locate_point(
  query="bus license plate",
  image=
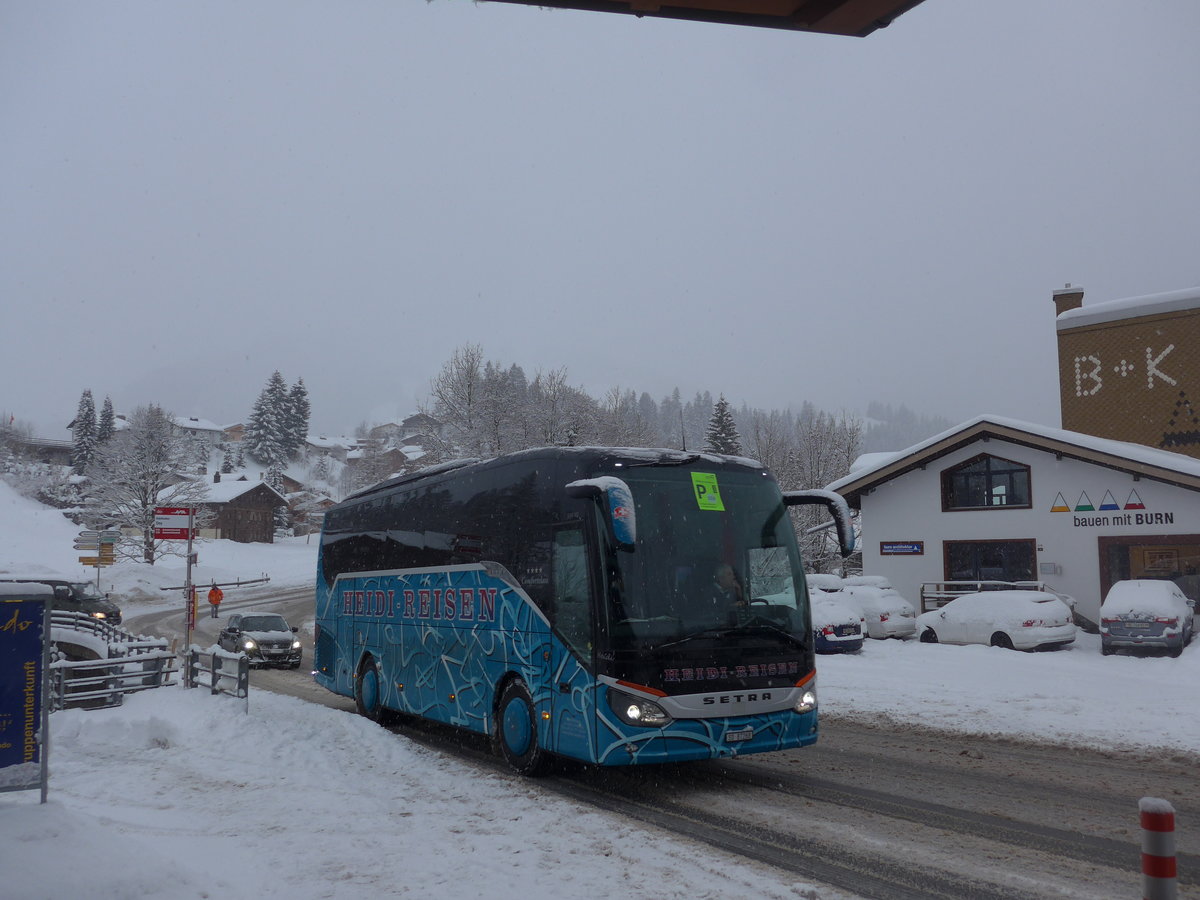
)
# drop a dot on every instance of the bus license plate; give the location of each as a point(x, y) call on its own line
point(734, 736)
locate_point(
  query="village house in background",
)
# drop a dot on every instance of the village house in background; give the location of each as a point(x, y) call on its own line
point(1112, 495)
point(243, 510)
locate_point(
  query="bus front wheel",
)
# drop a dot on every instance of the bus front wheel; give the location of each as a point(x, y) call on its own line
point(368, 690)
point(516, 730)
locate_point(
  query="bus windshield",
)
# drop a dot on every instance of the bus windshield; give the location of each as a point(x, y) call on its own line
point(715, 558)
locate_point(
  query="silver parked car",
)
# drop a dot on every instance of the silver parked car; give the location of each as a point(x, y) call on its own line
point(1146, 613)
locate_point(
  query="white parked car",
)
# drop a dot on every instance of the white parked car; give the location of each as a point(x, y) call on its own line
point(1019, 620)
point(1146, 613)
point(887, 614)
point(821, 582)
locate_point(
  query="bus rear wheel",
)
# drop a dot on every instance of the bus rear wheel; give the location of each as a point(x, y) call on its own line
point(516, 730)
point(368, 690)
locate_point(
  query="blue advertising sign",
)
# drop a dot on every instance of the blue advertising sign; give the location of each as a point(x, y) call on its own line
point(901, 548)
point(24, 656)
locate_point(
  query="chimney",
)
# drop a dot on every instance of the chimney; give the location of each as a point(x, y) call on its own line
point(216, 477)
point(1067, 298)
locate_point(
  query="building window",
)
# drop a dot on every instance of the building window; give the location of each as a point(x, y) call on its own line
point(986, 482)
point(990, 560)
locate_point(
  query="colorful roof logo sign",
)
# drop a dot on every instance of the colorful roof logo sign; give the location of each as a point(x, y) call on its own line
point(1084, 503)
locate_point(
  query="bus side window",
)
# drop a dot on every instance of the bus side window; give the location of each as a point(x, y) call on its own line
point(572, 614)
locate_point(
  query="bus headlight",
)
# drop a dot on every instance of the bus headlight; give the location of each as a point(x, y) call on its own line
point(637, 710)
point(807, 701)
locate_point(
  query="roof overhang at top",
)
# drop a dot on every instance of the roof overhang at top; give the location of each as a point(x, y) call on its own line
point(853, 18)
point(1142, 462)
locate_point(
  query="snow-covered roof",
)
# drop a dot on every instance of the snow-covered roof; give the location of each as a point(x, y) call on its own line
point(224, 491)
point(1130, 307)
point(871, 460)
point(338, 442)
point(191, 423)
point(1150, 462)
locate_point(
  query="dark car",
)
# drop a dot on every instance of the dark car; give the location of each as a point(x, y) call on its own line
point(74, 596)
point(836, 627)
point(1142, 614)
point(264, 637)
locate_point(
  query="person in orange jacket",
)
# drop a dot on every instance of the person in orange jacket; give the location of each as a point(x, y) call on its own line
point(215, 596)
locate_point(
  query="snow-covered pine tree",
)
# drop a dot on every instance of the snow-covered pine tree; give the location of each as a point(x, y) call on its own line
point(227, 461)
point(696, 415)
point(299, 410)
point(83, 434)
point(267, 434)
point(722, 434)
point(321, 470)
point(274, 478)
point(107, 423)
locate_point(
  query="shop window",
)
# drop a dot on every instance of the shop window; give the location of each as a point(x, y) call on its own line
point(986, 482)
point(990, 560)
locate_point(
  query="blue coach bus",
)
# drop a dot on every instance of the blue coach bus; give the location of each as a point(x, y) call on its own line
point(615, 606)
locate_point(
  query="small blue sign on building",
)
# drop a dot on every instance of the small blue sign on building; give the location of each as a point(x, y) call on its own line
point(24, 707)
point(901, 548)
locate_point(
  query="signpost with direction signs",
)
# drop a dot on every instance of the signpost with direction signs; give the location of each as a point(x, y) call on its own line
point(102, 545)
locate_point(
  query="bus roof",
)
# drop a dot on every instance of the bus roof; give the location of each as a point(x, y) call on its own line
point(853, 18)
point(644, 455)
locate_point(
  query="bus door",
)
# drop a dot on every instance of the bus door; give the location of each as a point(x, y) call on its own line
point(574, 685)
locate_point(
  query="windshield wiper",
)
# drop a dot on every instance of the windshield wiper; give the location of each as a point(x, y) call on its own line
point(706, 633)
point(759, 627)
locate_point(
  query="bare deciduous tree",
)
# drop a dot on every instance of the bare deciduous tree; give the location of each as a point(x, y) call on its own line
point(134, 472)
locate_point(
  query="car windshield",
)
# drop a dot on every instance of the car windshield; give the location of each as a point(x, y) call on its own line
point(264, 623)
point(85, 590)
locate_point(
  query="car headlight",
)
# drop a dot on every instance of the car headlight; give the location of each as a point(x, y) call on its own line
point(807, 700)
point(99, 615)
point(248, 644)
point(295, 645)
point(637, 710)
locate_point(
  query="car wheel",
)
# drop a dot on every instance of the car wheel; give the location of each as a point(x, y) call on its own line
point(516, 730)
point(368, 690)
point(1106, 650)
point(1175, 652)
point(1002, 640)
point(929, 636)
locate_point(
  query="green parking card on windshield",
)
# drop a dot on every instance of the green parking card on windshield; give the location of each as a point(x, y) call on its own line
point(708, 495)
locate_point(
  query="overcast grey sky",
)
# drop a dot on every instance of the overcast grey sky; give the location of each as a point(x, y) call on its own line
point(193, 195)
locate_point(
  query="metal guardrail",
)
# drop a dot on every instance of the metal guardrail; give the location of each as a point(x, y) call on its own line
point(131, 663)
point(936, 594)
point(82, 622)
point(99, 683)
point(228, 673)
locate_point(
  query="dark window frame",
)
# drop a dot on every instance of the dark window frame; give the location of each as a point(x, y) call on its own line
point(1030, 542)
point(991, 478)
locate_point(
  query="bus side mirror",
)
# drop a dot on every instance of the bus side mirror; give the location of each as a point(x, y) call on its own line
point(620, 519)
point(838, 508)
